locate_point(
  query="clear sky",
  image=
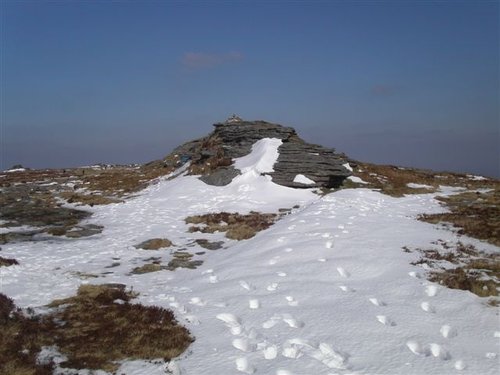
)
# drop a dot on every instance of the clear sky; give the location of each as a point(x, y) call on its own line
point(413, 83)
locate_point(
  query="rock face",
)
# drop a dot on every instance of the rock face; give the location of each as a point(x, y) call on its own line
point(211, 157)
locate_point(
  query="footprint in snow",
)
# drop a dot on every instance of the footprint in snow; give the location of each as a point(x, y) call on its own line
point(274, 260)
point(292, 227)
point(427, 307)
point(232, 322)
point(431, 290)
point(460, 365)
point(246, 285)
point(271, 352)
point(377, 302)
point(385, 320)
point(270, 323)
point(447, 331)
point(330, 357)
point(292, 301)
point(292, 322)
point(242, 365)
point(291, 351)
point(329, 244)
point(439, 352)
point(254, 304)
point(417, 348)
point(272, 287)
point(213, 279)
point(342, 272)
point(243, 344)
point(346, 288)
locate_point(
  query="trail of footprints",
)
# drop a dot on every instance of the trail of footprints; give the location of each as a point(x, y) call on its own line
point(446, 331)
point(249, 340)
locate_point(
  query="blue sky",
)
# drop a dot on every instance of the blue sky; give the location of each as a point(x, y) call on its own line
point(412, 83)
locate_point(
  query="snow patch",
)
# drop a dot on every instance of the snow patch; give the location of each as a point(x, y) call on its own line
point(15, 170)
point(262, 158)
point(476, 178)
point(348, 167)
point(412, 185)
point(301, 179)
point(357, 180)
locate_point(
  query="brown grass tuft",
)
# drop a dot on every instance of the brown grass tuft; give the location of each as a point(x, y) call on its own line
point(147, 268)
point(474, 214)
point(5, 262)
point(475, 271)
point(88, 199)
point(236, 226)
point(94, 329)
point(154, 244)
point(393, 180)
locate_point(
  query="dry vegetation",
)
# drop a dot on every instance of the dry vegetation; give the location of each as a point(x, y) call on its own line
point(210, 156)
point(154, 244)
point(88, 199)
point(472, 213)
point(236, 226)
point(5, 262)
point(180, 259)
point(393, 180)
point(94, 329)
point(460, 266)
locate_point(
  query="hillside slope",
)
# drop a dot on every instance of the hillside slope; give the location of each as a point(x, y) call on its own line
point(328, 289)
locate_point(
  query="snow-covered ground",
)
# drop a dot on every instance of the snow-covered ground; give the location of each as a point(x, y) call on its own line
point(326, 290)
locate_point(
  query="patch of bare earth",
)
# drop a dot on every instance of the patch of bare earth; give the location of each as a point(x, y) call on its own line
point(460, 266)
point(236, 226)
point(94, 329)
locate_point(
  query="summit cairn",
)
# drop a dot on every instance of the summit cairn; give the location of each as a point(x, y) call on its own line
point(233, 119)
point(299, 165)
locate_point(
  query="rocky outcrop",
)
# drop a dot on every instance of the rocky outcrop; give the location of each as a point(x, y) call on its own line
point(212, 156)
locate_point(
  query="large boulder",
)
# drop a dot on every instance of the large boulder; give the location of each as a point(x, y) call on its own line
point(212, 156)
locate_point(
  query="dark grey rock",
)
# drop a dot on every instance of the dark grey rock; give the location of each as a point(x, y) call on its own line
point(220, 177)
point(232, 140)
point(84, 231)
point(206, 244)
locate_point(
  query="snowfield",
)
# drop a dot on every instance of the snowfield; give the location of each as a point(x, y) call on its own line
point(325, 290)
